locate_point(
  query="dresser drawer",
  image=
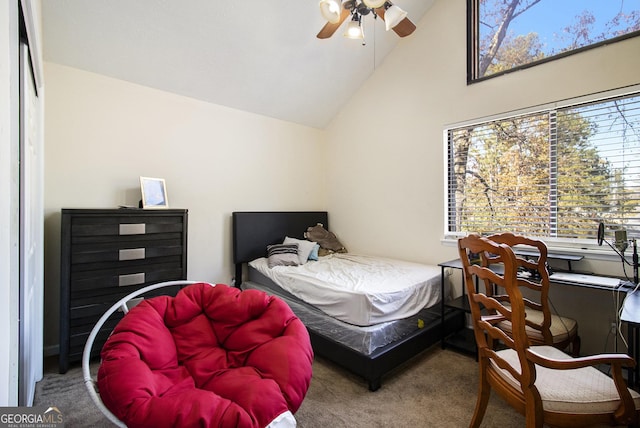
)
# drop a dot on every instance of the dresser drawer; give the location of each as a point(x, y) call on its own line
point(124, 277)
point(96, 227)
point(122, 250)
point(78, 339)
point(89, 310)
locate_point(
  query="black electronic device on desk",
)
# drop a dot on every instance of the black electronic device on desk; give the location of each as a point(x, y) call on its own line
point(621, 244)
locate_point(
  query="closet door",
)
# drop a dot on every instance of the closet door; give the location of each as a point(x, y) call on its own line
point(31, 234)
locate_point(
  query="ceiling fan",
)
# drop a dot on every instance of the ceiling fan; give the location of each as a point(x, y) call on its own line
point(337, 11)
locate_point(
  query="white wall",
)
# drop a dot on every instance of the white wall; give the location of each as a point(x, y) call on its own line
point(386, 177)
point(102, 134)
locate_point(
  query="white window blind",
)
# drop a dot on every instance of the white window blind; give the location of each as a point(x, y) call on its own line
point(553, 173)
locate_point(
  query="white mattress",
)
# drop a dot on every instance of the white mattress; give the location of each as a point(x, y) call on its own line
point(358, 289)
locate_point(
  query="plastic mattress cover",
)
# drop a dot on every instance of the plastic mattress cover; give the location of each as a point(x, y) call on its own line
point(362, 339)
point(359, 289)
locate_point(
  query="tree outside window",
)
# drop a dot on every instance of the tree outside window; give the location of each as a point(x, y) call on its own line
point(511, 34)
point(555, 173)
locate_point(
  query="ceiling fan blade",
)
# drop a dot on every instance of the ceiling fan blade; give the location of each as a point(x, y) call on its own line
point(404, 27)
point(329, 28)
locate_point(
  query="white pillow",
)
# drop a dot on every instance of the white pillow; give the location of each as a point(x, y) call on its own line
point(304, 248)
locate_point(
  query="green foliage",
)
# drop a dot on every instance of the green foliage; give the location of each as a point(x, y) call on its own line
point(508, 180)
point(583, 176)
point(515, 52)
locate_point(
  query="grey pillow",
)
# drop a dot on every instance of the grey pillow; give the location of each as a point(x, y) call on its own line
point(282, 255)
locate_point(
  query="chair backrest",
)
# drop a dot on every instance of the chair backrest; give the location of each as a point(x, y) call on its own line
point(500, 282)
point(533, 274)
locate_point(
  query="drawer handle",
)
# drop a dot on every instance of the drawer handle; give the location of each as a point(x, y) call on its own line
point(131, 254)
point(133, 229)
point(131, 279)
point(130, 304)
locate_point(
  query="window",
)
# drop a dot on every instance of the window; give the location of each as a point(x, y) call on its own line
point(511, 34)
point(551, 173)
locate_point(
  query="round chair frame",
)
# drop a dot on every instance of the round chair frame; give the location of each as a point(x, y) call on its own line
point(121, 304)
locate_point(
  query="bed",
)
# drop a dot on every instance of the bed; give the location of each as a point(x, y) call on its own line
point(369, 350)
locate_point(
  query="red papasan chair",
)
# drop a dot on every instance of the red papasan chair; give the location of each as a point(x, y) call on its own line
point(210, 356)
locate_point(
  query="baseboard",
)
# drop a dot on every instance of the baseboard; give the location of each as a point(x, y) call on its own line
point(51, 350)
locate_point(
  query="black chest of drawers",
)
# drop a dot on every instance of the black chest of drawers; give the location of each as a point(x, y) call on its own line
point(105, 255)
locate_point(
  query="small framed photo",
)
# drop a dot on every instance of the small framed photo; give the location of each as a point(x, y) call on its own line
point(154, 193)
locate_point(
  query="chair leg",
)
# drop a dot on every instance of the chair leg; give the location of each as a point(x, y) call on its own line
point(484, 392)
point(534, 415)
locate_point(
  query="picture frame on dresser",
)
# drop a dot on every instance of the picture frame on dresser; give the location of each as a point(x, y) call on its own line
point(154, 193)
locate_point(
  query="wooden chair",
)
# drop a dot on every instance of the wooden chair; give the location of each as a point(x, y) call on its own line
point(541, 382)
point(542, 327)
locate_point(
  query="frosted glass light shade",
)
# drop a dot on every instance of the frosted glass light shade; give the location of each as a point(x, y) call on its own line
point(393, 16)
point(354, 31)
point(374, 4)
point(330, 10)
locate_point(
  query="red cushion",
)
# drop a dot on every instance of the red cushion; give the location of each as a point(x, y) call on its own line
point(210, 356)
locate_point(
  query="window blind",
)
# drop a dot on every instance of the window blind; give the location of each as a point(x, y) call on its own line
point(552, 173)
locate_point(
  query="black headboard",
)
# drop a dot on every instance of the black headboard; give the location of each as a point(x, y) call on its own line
point(253, 231)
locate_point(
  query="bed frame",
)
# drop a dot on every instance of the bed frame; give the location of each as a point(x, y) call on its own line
point(253, 231)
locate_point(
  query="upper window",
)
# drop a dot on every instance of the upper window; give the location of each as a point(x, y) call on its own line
point(552, 173)
point(511, 34)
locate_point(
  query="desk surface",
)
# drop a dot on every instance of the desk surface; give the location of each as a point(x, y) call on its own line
point(455, 264)
point(557, 256)
point(579, 280)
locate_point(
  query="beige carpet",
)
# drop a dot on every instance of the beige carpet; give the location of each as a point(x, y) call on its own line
point(436, 389)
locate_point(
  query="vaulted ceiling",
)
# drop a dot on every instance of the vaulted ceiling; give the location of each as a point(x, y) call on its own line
point(258, 56)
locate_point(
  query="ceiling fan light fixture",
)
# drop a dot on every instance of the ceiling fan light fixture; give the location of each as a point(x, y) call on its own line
point(337, 11)
point(374, 4)
point(330, 10)
point(354, 29)
point(393, 16)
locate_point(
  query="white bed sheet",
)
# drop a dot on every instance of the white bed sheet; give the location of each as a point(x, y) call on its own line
point(359, 289)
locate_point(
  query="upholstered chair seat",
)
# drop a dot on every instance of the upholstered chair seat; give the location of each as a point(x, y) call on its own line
point(583, 391)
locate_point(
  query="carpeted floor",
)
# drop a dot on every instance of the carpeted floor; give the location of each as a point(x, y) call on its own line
point(436, 389)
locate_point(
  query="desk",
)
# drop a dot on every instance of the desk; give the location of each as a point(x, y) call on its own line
point(464, 340)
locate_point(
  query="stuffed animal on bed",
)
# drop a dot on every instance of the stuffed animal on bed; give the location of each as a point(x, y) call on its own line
point(328, 241)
